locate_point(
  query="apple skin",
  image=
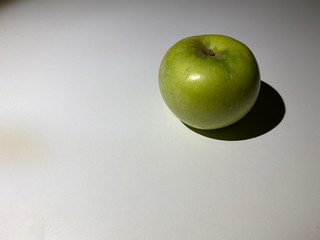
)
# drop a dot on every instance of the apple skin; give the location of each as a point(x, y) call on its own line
point(209, 81)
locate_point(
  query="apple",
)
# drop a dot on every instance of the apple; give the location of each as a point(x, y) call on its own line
point(209, 81)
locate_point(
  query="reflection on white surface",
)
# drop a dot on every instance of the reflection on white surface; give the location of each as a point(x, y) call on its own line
point(93, 151)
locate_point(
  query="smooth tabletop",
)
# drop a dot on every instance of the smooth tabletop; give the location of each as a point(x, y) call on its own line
point(89, 150)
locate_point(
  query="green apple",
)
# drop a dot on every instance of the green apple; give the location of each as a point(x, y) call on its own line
point(209, 81)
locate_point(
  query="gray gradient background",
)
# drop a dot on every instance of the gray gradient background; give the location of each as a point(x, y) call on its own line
point(88, 149)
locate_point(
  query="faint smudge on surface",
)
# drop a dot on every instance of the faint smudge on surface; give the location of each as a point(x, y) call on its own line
point(19, 145)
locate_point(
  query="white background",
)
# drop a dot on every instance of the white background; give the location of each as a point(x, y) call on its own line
point(89, 150)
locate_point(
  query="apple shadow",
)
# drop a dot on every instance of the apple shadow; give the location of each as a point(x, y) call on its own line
point(266, 114)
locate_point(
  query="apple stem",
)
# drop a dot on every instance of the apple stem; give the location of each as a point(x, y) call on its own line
point(209, 52)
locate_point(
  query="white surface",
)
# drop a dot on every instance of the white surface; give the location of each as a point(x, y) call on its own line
point(88, 149)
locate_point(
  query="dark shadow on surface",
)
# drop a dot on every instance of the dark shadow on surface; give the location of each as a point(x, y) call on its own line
point(5, 3)
point(265, 115)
